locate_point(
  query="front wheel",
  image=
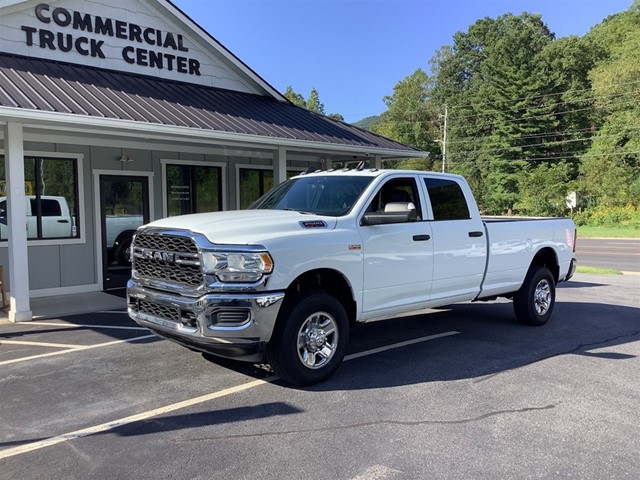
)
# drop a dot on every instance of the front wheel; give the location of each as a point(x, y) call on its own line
point(310, 339)
point(534, 302)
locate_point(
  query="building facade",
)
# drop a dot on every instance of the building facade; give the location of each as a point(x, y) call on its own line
point(115, 114)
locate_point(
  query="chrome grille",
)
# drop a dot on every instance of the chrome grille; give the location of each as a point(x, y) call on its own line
point(183, 266)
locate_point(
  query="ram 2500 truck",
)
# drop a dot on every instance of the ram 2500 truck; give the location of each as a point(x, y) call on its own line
point(285, 280)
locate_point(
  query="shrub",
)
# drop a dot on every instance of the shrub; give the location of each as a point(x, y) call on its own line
point(628, 216)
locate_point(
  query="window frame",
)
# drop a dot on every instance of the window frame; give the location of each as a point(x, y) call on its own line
point(432, 211)
point(417, 192)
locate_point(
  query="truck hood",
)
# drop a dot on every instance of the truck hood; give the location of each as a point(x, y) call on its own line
point(246, 227)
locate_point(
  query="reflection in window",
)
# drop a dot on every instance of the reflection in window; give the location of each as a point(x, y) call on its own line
point(447, 199)
point(193, 189)
point(51, 187)
point(254, 183)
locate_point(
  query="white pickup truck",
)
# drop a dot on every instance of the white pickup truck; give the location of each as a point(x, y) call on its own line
point(56, 218)
point(285, 280)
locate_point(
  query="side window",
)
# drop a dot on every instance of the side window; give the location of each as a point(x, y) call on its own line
point(447, 199)
point(397, 190)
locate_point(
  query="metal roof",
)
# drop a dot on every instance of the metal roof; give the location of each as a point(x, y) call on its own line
point(50, 86)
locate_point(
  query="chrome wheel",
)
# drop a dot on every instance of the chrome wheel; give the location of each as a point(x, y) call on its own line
point(317, 340)
point(542, 297)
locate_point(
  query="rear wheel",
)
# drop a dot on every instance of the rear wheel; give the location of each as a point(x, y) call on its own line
point(310, 339)
point(533, 303)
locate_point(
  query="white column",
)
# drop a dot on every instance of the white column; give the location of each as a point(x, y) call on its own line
point(377, 162)
point(20, 310)
point(279, 166)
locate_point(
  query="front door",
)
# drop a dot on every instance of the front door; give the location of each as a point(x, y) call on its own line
point(124, 206)
point(398, 257)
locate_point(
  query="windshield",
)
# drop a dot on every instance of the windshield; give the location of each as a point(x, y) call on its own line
point(323, 195)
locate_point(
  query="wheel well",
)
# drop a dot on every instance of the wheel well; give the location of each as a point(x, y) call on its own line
point(124, 235)
point(331, 282)
point(547, 258)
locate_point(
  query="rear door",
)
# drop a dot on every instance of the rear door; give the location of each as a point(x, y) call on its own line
point(397, 257)
point(459, 241)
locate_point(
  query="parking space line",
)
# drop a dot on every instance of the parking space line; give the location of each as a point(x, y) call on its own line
point(400, 344)
point(75, 349)
point(104, 427)
point(38, 344)
point(76, 325)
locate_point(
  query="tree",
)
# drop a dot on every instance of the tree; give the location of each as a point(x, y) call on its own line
point(611, 168)
point(294, 97)
point(491, 79)
point(411, 117)
point(313, 102)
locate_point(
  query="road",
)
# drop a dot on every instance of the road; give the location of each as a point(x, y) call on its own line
point(462, 392)
point(617, 253)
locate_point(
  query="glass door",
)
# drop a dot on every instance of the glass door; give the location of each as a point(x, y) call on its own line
point(124, 206)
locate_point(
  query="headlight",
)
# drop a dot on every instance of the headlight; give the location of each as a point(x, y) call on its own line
point(237, 267)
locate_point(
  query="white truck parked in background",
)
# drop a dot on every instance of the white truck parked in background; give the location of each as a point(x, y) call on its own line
point(57, 221)
point(284, 280)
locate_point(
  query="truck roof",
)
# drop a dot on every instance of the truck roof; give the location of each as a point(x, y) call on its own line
point(372, 172)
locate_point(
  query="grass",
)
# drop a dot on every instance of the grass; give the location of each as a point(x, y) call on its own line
point(608, 232)
point(598, 271)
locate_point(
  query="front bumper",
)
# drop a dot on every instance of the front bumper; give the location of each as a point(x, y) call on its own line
point(232, 325)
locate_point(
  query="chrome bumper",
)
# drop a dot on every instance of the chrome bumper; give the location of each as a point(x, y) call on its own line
point(233, 325)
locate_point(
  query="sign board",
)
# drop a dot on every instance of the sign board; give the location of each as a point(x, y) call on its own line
point(121, 35)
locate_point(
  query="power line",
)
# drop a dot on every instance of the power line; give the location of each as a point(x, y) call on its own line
point(544, 144)
point(534, 107)
point(544, 95)
point(547, 158)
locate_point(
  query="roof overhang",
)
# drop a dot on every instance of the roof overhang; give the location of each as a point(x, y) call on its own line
point(70, 123)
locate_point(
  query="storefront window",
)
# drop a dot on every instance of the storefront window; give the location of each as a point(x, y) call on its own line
point(193, 189)
point(256, 182)
point(51, 188)
point(253, 184)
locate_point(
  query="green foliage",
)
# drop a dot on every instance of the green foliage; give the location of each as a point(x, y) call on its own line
point(313, 102)
point(410, 164)
point(543, 191)
point(610, 170)
point(531, 117)
point(410, 117)
point(294, 97)
point(368, 123)
point(627, 217)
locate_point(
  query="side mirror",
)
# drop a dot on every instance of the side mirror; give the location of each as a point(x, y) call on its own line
point(394, 212)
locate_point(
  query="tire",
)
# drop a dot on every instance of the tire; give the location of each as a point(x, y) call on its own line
point(123, 253)
point(310, 339)
point(533, 303)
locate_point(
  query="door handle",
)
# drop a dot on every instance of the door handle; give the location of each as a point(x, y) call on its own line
point(421, 238)
point(63, 221)
point(475, 234)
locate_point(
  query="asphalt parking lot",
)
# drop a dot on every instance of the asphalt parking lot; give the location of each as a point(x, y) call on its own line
point(463, 392)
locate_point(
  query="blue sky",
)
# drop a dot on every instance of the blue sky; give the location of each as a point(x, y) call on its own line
point(354, 51)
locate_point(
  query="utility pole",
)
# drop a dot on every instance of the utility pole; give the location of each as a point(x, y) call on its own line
point(444, 139)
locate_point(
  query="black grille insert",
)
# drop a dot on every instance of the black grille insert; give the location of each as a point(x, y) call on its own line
point(150, 261)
